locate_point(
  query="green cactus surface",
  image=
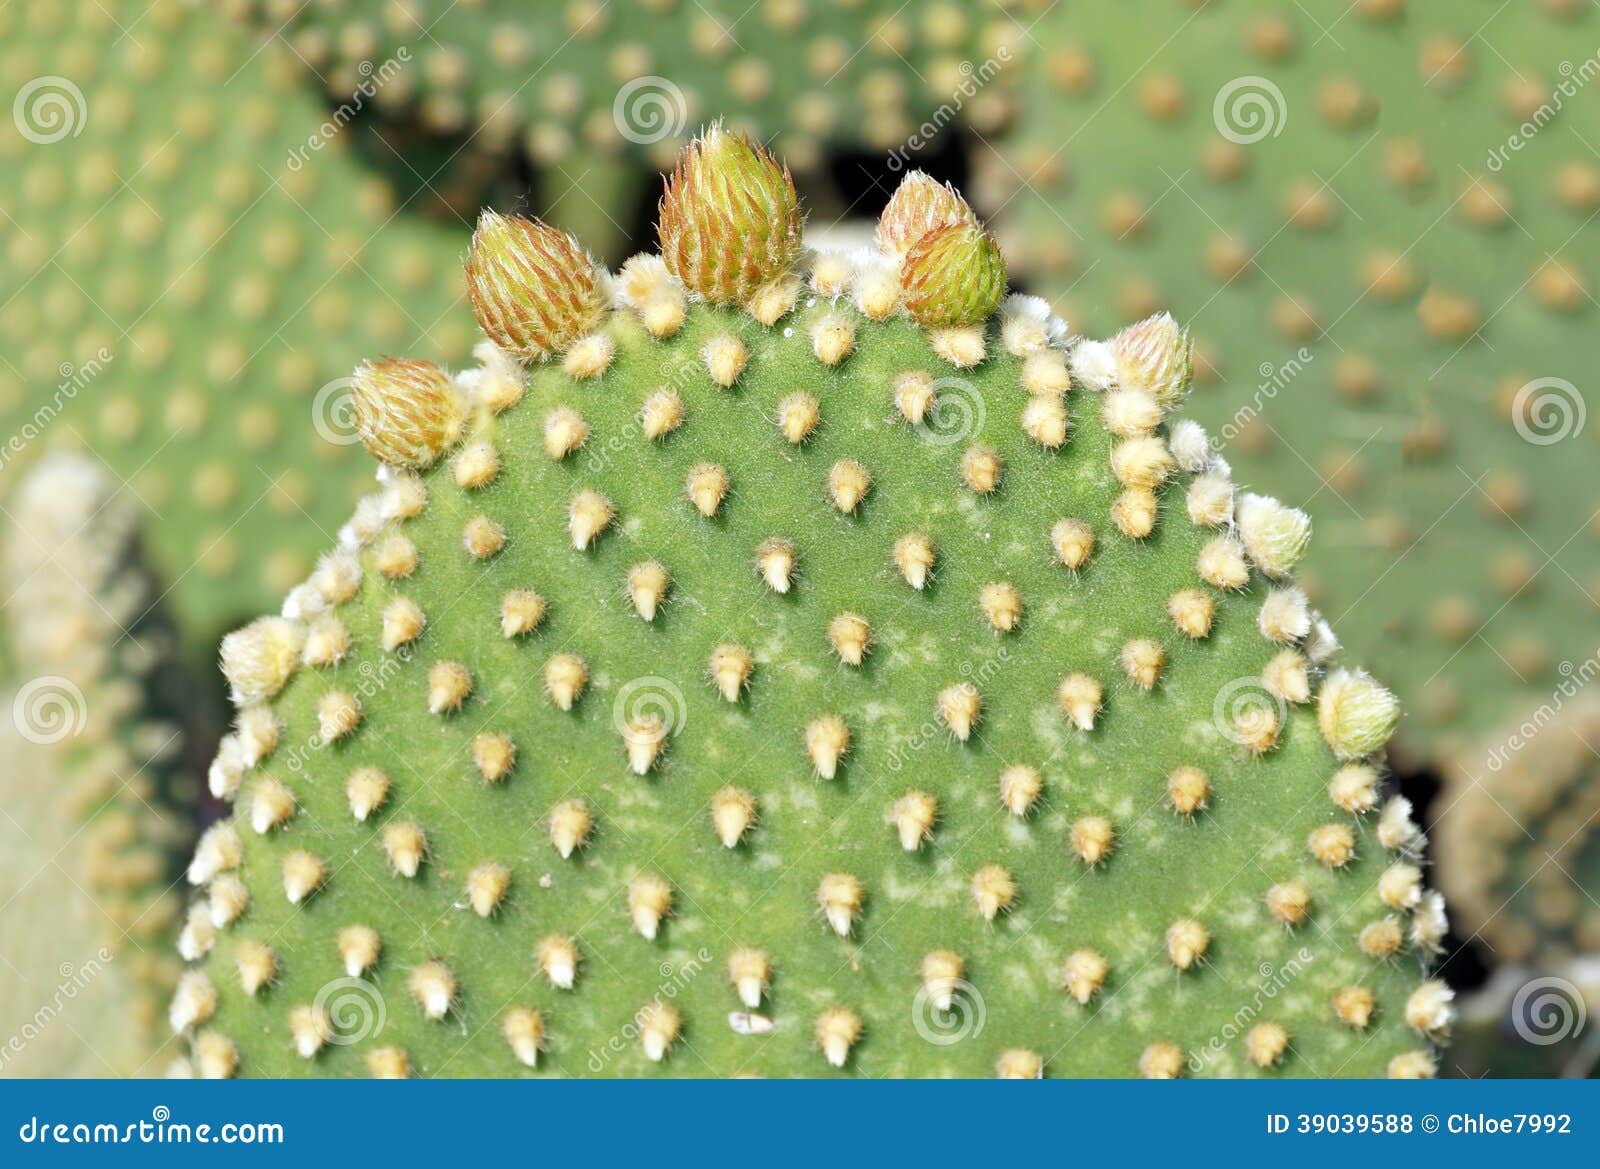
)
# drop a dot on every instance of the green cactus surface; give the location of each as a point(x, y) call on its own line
point(1376, 215)
point(599, 93)
point(754, 679)
point(190, 263)
point(99, 813)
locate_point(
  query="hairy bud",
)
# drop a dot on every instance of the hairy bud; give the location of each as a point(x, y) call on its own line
point(953, 277)
point(729, 220)
point(533, 289)
point(407, 412)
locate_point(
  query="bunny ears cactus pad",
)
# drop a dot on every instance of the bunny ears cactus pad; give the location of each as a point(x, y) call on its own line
point(766, 662)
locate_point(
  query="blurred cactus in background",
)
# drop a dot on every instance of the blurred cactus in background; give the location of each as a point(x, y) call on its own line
point(98, 787)
point(599, 95)
point(194, 269)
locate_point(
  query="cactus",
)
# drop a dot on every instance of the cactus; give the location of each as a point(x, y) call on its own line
point(98, 809)
point(1519, 853)
point(1518, 844)
point(599, 93)
point(183, 271)
point(1328, 192)
point(776, 663)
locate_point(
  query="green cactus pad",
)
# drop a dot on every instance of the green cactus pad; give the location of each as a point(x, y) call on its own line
point(789, 689)
point(598, 94)
point(184, 292)
point(1328, 193)
point(98, 807)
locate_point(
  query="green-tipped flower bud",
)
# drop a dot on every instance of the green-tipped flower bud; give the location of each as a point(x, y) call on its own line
point(1357, 713)
point(730, 221)
point(919, 205)
point(533, 288)
point(408, 412)
point(953, 277)
point(1275, 535)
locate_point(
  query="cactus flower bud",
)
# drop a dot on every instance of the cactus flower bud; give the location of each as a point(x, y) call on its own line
point(1156, 356)
point(533, 289)
point(730, 221)
point(407, 412)
point(953, 277)
point(1356, 713)
point(918, 206)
